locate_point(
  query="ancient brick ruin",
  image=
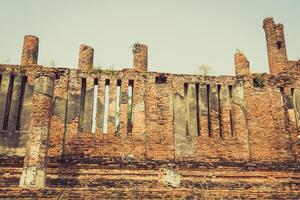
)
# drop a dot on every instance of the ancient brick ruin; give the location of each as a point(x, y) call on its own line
point(89, 134)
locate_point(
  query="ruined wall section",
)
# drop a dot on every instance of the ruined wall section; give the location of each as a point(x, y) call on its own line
point(276, 47)
point(294, 66)
point(202, 119)
point(271, 103)
point(116, 128)
point(293, 112)
point(242, 65)
point(16, 90)
point(159, 116)
point(295, 137)
point(33, 174)
point(209, 119)
point(59, 113)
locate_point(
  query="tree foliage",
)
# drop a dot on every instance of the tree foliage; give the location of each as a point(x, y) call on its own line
point(204, 70)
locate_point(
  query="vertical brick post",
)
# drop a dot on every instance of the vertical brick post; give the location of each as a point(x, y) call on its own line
point(86, 57)
point(33, 175)
point(140, 57)
point(30, 50)
point(242, 66)
point(276, 47)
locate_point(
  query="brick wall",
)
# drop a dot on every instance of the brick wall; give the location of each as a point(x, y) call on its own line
point(172, 116)
point(165, 126)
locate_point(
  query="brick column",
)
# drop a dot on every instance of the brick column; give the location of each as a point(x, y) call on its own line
point(33, 174)
point(242, 66)
point(277, 55)
point(140, 57)
point(30, 50)
point(86, 57)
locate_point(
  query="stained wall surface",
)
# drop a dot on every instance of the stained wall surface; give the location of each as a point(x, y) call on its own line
point(168, 127)
point(170, 116)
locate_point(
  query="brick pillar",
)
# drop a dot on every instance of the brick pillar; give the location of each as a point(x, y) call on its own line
point(276, 47)
point(86, 57)
point(140, 57)
point(30, 50)
point(33, 174)
point(242, 66)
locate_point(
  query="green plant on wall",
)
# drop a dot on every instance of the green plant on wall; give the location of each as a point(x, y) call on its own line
point(258, 81)
point(204, 70)
point(144, 74)
point(239, 51)
point(97, 66)
point(136, 48)
point(109, 71)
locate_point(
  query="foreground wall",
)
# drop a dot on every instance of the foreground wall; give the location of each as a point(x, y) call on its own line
point(110, 178)
point(64, 131)
point(148, 115)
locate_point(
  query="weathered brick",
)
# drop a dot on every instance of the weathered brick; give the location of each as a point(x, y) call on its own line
point(183, 136)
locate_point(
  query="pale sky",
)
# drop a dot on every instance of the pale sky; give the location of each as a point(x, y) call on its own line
point(180, 34)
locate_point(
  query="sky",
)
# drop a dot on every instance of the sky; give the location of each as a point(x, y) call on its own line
point(180, 34)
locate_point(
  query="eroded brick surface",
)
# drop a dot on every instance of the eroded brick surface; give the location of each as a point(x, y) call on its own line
point(174, 136)
point(30, 50)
